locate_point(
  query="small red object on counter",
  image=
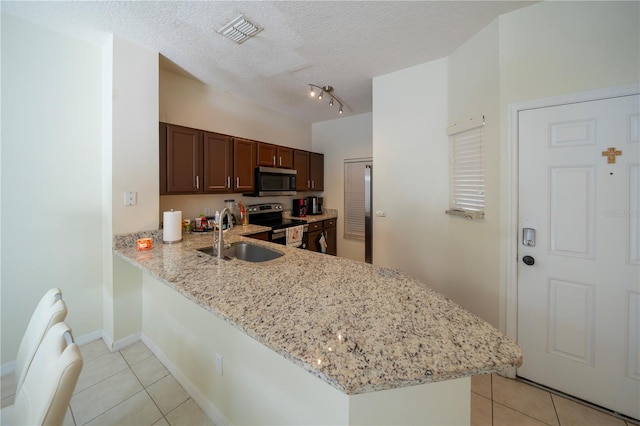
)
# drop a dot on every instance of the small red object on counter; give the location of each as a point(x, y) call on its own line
point(144, 244)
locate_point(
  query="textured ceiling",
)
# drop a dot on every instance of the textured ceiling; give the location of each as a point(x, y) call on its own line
point(339, 43)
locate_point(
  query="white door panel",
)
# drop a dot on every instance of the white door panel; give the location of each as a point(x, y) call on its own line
point(578, 304)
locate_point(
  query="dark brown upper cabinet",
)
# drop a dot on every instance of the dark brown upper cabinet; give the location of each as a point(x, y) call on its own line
point(180, 160)
point(244, 164)
point(218, 163)
point(316, 171)
point(310, 169)
point(275, 156)
point(195, 161)
point(301, 165)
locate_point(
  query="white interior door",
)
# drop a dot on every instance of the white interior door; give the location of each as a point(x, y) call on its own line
point(578, 303)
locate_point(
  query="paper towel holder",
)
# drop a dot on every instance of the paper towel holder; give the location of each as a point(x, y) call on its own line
point(177, 230)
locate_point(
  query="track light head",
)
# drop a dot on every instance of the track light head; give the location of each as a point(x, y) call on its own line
point(329, 91)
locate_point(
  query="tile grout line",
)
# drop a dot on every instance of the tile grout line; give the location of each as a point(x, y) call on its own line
point(518, 411)
point(579, 401)
point(95, 384)
point(101, 381)
point(555, 409)
point(491, 393)
point(144, 388)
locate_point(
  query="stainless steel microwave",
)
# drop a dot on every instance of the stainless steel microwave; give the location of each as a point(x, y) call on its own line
point(272, 181)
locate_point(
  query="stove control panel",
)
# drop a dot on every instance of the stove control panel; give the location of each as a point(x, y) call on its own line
point(264, 208)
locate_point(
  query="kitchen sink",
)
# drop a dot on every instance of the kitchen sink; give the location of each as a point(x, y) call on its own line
point(245, 251)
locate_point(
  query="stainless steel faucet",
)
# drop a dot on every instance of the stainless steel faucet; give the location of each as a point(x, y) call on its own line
point(220, 243)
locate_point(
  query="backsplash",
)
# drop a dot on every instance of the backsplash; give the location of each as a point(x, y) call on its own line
point(194, 205)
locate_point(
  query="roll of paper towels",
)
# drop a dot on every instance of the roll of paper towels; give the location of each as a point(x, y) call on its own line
point(172, 226)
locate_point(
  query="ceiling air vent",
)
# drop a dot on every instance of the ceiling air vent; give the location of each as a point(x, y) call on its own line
point(240, 29)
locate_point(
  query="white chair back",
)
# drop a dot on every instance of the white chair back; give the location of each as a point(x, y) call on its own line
point(46, 392)
point(50, 310)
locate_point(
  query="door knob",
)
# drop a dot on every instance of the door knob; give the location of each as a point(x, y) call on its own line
point(528, 260)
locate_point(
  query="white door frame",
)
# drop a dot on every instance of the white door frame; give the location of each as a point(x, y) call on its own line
point(512, 185)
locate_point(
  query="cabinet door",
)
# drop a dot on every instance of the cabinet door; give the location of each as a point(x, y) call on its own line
point(244, 164)
point(316, 171)
point(331, 234)
point(313, 243)
point(267, 154)
point(218, 163)
point(301, 165)
point(183, 160)
point(285, 157)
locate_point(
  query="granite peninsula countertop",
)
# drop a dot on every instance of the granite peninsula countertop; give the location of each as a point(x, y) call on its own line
point(358, 327)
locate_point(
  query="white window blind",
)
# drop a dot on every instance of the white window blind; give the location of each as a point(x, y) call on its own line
point(354, 198)
point(466, 171)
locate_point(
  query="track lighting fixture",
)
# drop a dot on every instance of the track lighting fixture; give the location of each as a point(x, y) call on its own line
point(329, 91)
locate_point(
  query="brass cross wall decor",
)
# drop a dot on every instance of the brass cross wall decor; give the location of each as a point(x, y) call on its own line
point(611, 154)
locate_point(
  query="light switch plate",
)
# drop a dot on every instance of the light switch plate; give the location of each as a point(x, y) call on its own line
point(381, 213)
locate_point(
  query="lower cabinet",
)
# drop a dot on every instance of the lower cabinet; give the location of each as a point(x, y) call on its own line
point(313, 235)
point(316, 230)
point(331, 235)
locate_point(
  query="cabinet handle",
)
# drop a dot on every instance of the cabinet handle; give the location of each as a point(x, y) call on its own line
point(197, 182)
point(313, 184)
point(280, 162)
point(238, 182)
point(228, 181)
point(274, 160)
point(308, 184)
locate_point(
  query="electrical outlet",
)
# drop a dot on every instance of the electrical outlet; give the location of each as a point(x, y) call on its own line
point(130, 198)
point(207, 211)
point(219, 364)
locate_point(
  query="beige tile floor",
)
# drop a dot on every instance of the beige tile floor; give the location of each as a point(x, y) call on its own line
point(132, 387)
point(127, 387)
point(497, 401)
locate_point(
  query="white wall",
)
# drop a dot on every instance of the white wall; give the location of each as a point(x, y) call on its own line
point(410, 155)
point(542, 50)
point(560, 47)
point(135, 159)
point(135, 136)
point(51, 177)
point(341, 139)
point(187, 102)
point(474, 246)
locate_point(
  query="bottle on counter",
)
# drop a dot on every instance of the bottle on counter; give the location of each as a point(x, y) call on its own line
point(244, 219)
point(232, 206)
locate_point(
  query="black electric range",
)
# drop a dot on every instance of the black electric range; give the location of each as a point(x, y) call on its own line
point(270, 214)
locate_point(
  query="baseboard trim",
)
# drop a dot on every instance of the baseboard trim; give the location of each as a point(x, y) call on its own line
point(88, 338)
point(123, 343)
point(207, 405)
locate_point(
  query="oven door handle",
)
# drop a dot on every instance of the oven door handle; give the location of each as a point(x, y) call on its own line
point(279, 231)
point(284, 230)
